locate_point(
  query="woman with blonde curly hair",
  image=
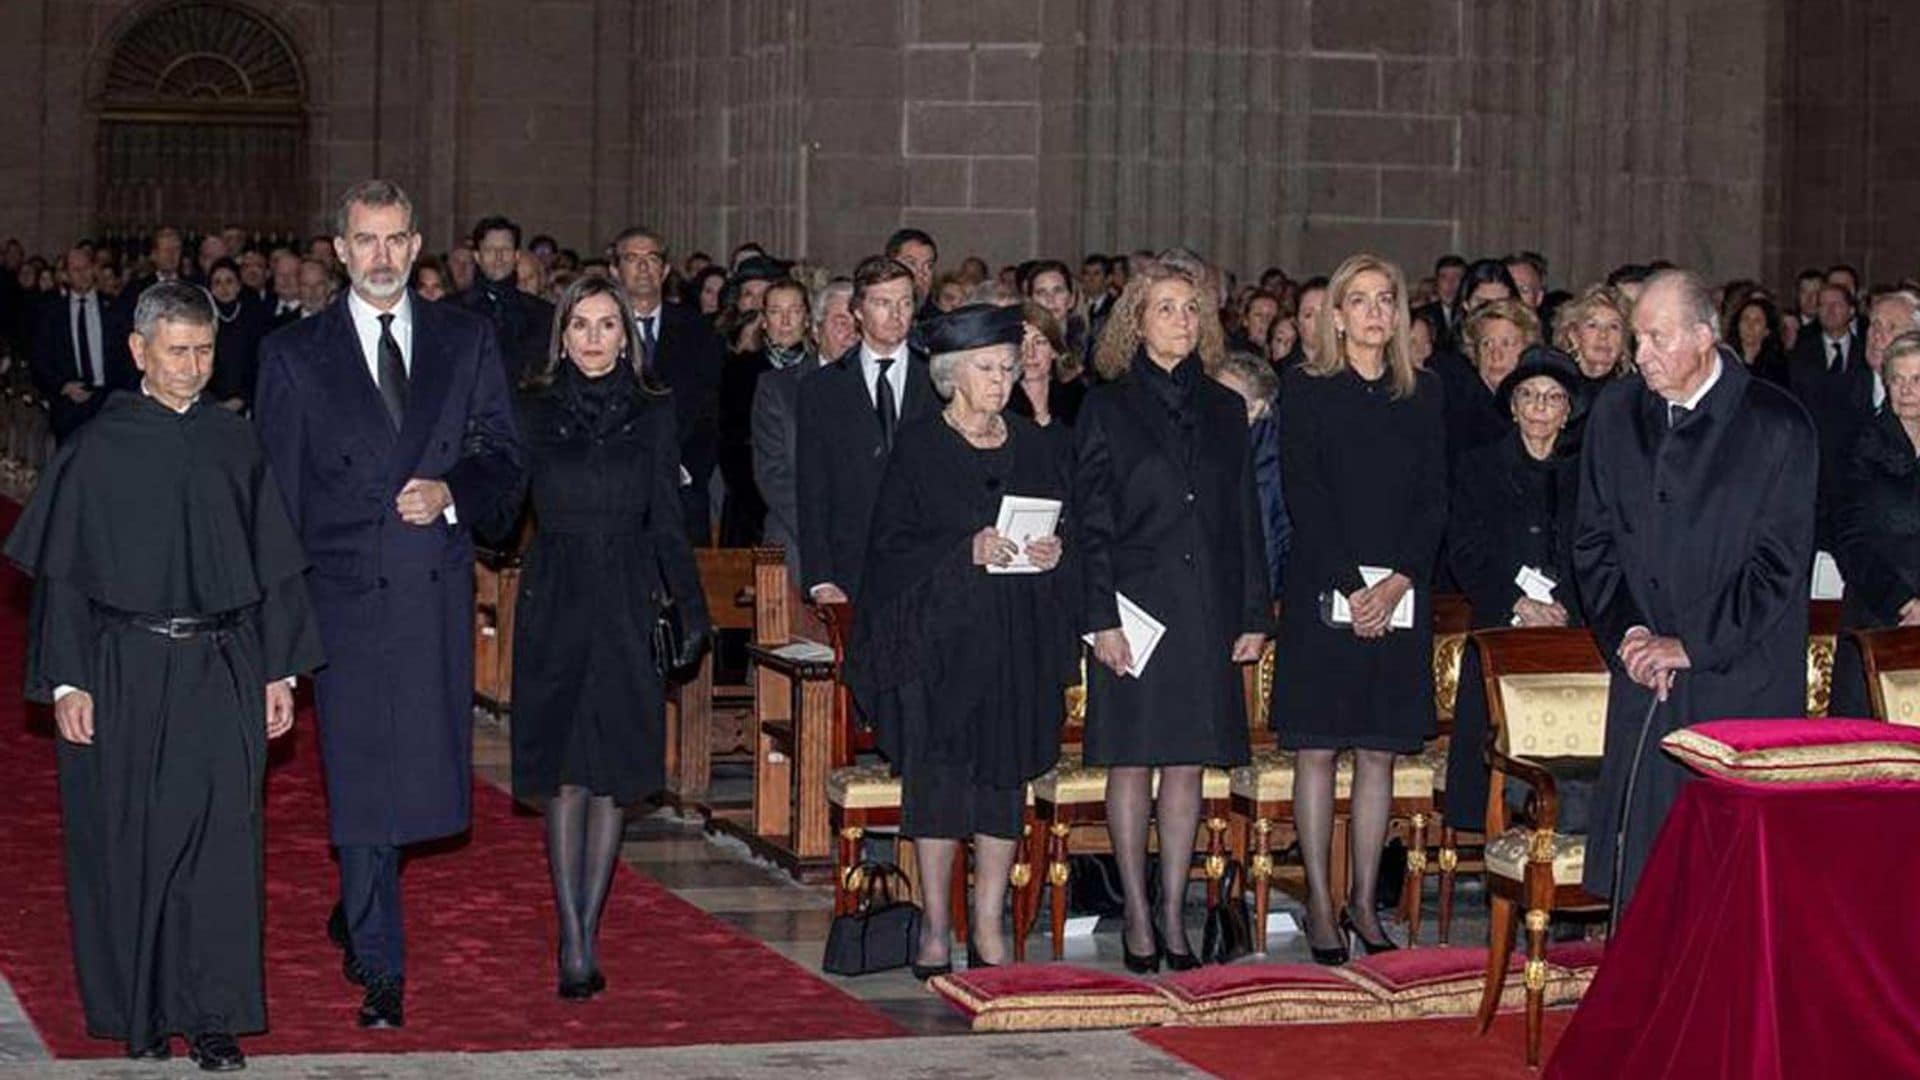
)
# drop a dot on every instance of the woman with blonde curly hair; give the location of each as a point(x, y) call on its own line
point(1492, 338)
point(1595, 329)
point(1362, 459)
point(1165, 489)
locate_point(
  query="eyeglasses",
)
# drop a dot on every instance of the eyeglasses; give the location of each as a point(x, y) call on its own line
point(1552, 399)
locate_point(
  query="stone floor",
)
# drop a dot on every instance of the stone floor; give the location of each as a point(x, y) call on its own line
point(721, 877)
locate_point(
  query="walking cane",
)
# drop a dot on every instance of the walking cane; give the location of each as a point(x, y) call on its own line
point(1626, 810)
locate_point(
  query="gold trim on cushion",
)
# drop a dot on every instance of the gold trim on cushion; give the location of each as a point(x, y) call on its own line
point(1821, 763)
point(863, 787)
point(1043, 1011)
point(1819, 674)
point(1556, 714)
point(1901, 691)
point(1508, 854)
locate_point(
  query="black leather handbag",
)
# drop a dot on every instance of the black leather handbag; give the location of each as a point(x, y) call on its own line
point(669, 632)
point(1229, 931)
point(882, 933)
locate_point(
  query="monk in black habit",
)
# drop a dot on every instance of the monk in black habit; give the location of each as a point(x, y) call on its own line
point(169, 615)
point(1692, 547)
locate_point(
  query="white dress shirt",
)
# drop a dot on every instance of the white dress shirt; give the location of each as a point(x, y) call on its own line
point(366, 326)
point(1844, 343)
point(896, 375)
point(83, 316)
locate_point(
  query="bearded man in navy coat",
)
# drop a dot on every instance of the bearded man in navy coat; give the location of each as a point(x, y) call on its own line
point(390, 430)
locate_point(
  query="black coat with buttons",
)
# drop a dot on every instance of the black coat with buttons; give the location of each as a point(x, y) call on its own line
point(1366, 480)
point(1169, 517)
point(609, 544)
point(1701, 531)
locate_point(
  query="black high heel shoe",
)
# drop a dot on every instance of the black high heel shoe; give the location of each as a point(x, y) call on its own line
point(1140, 964)
point(923, 972)
point(1185, 961)
point(1347, 928)
point(974, 963)
point(1330, 957)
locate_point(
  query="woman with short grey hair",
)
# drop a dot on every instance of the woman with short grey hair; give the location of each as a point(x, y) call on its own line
point(964, 640)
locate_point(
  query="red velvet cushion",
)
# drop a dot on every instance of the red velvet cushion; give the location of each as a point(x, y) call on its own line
point(1796, 752)
point(1450, 980)
point(1034, 997)
point(1268, 994)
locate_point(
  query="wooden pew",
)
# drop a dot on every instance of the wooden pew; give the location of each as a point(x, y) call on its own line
point(694, 726)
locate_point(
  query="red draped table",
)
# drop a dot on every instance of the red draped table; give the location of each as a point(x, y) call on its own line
point(1775, 933)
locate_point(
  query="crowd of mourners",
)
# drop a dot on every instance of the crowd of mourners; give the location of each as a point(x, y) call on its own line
point(1301, 460)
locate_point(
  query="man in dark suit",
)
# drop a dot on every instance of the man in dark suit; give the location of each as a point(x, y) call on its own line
point(522, 324)
point(283, 306)
point(915, 250)
point(1692, 547)
point(775, 421)
point(849, 410)
point(1828, 372)
point(683, 351)
point(389, 427)
point(79, 349)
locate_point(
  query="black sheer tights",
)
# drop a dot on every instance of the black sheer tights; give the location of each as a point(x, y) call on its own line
point(1313, 774)
point(1131, 803)
point(583, 843)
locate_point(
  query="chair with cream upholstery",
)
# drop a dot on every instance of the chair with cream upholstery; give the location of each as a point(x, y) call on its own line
point(1892, 661)
point(1070, 800)
point(1452, 618)
point(1262, 808)
point(1547, 716)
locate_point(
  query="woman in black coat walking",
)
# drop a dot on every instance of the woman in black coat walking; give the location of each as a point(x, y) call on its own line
point(963, 667)
point(1169, 519)
point(1363, 454)
point(589, 706)
point(1513, 507)
point(1877, 530)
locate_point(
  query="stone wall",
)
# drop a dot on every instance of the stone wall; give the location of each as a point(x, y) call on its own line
point(1740, 136)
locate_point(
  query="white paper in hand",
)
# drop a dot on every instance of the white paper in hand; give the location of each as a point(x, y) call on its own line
point(1143, 633)
point(1535, 586)
point(1023, 519)
point(1827, 583)
point(1373, 575)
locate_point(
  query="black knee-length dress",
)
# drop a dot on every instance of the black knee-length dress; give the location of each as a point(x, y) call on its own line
point(963, 673)
point(1366, 481)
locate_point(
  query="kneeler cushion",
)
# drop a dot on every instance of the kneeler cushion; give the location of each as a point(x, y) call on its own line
point(1794, 753)
point(1447, 981)
point(1269, 994)
point(1037, 997)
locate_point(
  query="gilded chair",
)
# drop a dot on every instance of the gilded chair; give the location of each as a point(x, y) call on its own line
point(1823, 632)
point(1069, 811)
point(1892, 660)
point(1261, 803)
point(1547, 716)
point(1452, 618)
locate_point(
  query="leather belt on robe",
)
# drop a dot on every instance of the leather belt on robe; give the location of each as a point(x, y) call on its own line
point(177, 627)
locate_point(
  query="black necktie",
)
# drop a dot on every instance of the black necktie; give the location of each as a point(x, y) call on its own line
point(1839, 362)
point(82, 342)
point(883, 403)
point(393, 372)
point(1676, 412)
point(647, 339)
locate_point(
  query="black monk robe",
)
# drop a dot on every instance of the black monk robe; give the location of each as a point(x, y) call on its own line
point(1704, 532)
point(151, 511)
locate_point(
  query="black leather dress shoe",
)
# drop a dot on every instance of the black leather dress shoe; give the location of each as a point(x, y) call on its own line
point(215, 1051)
point(382, 1005)
point(161, 1049)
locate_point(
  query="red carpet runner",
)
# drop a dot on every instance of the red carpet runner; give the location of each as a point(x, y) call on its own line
point(1431, 1049)
point(479, 921)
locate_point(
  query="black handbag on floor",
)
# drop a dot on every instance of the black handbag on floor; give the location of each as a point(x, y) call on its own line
point(1229, 932)
point(882, 933)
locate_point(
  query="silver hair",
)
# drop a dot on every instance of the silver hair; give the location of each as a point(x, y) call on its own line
point(1259, 376)
point(374, 192)
point(940, 366)
point(1907, 297)
point(172, 301)
point(1696, 300)
point(823, 300)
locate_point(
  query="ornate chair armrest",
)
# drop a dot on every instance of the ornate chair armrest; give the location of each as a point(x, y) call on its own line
point(1546, 789)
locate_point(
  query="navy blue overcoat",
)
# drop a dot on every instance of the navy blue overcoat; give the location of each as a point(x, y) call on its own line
point(395, 601)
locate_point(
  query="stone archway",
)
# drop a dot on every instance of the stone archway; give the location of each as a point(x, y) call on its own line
point(202, 123)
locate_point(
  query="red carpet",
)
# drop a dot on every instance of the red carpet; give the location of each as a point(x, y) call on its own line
point(1430, 1049)
point(479, 921)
